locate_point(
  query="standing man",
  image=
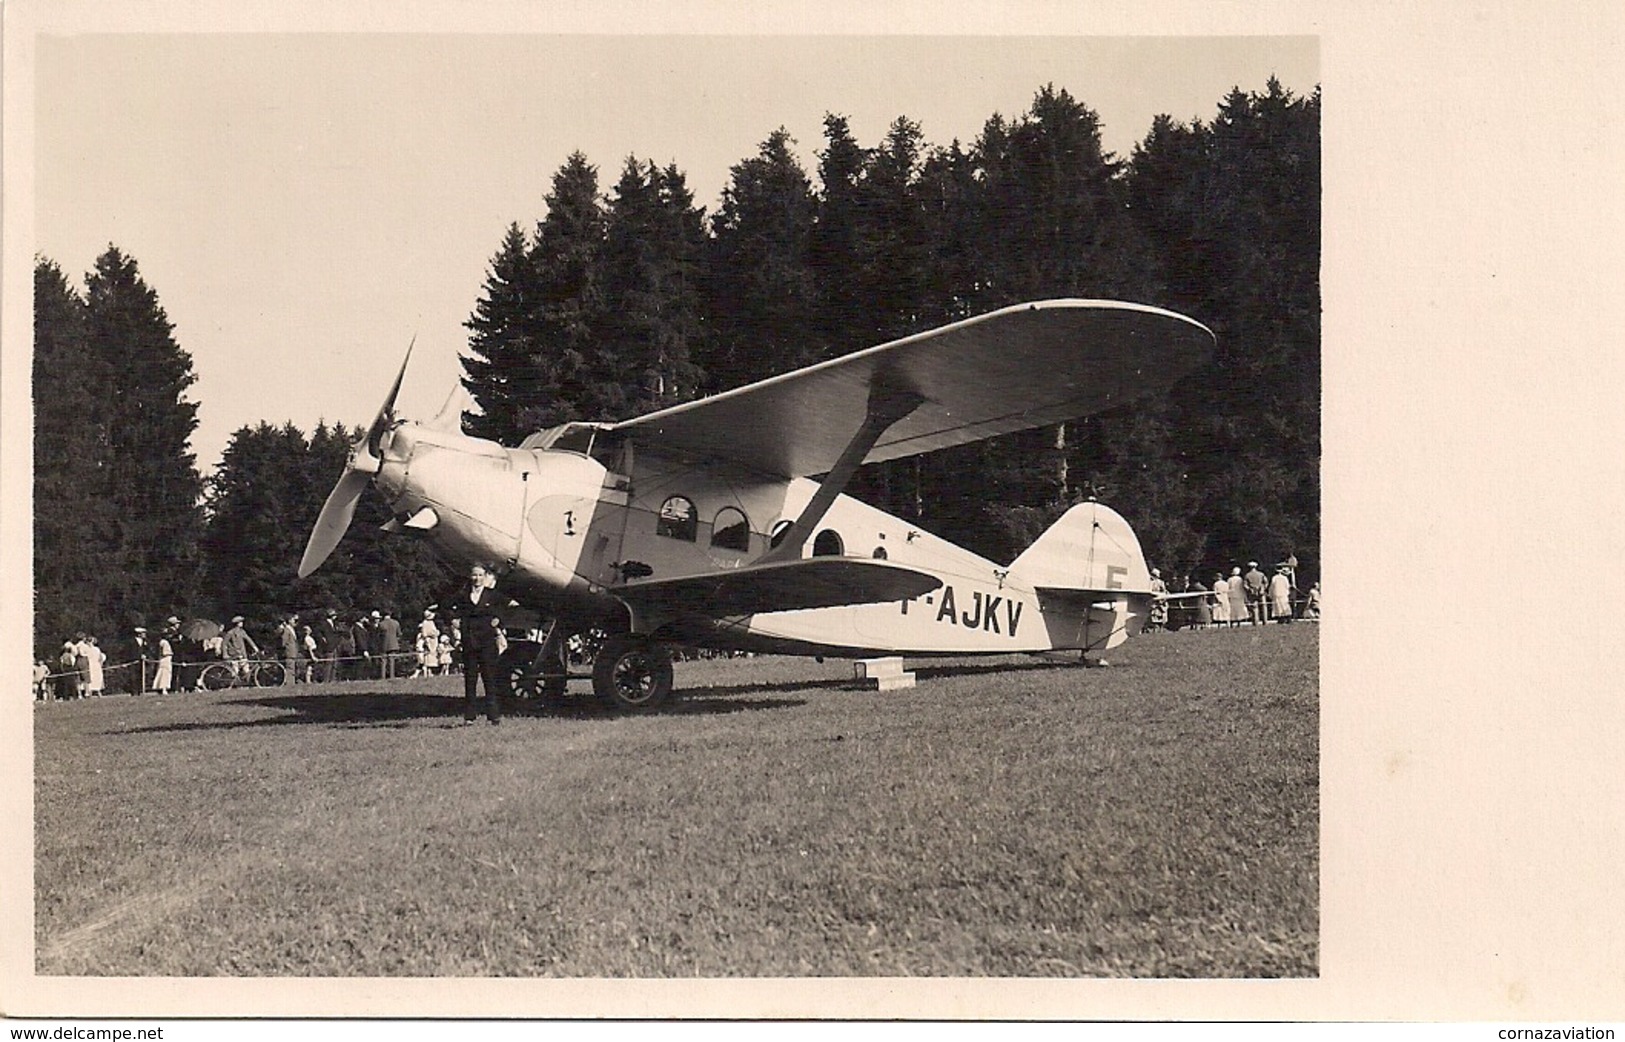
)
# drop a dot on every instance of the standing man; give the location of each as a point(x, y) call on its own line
point(389, 642)
point(288, 635)
point(375, 646)
point(1255, 584)
point(326, 633)
point(235, 647)
point(480, 618)
point(143, 659)
point(361, 635)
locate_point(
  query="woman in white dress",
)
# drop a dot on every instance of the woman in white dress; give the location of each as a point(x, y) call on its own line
point(164, 679)
point(428, 645)
point(1221, 601)
point(98, 675)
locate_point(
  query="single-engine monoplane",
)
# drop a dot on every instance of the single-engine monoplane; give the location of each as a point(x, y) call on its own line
point(723, 522)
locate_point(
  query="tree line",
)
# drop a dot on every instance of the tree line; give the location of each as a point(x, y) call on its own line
point(617, 302)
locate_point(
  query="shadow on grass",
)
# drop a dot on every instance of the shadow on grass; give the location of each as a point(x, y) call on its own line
point(973, 669)
point(384, 708)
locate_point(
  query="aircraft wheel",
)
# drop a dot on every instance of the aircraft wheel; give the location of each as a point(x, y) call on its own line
point(632, 673)
point(525, 681)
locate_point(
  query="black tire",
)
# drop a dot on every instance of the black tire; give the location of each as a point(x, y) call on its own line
point(269, 674)
point(632, 674)
point(517, 665)
point(217, 676)
point(525, 682)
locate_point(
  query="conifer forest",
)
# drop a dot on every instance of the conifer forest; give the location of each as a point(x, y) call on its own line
point(620, 295)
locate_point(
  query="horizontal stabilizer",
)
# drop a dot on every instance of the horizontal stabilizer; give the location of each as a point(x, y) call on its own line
point(1072, 601)
point(817, 582)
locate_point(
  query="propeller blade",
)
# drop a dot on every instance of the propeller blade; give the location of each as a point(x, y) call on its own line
point(364, 462)
point(386, 414)
point(334, 520)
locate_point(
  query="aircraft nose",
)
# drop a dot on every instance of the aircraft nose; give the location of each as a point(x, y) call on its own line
point(396, 446)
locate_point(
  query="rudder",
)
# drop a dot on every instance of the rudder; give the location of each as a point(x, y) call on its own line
point(1091, 548)
point(1090, 577)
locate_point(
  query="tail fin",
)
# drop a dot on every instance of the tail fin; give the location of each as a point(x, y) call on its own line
point(1090, 576)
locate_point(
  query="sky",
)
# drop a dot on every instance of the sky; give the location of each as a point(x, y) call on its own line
point(304, 205)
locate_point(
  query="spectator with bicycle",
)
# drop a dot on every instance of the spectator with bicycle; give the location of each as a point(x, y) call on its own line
point(235, 648)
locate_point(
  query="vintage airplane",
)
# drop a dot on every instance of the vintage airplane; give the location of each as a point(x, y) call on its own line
point(723, 522)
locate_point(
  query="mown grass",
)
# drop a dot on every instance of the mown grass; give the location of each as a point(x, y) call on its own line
point(1008, 818)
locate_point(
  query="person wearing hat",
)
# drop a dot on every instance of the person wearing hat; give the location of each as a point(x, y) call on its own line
point(1236, 591)
point(67, 672)
point(326, 633)
point(1281, 595)
point(1256, 585)
point(236, 646)
point(1221, 602)
point(163, 676)
point(428, 645)
point(1159, 601)
point(389, 643)
point(288, 635)
point(141, 650)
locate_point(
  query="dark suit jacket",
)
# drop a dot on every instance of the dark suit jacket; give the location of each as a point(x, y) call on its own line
point(476, 619)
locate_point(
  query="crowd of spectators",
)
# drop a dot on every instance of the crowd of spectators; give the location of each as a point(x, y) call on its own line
point(1249, 598)
point(329, 645)
point(321, 646)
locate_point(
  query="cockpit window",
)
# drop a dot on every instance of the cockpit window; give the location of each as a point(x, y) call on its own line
point(566, 437)
point(678, 519)
point(828, 544)
point(575, 439)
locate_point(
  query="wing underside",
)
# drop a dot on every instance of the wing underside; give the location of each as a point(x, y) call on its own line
point(1010, 370)
point(817, 582)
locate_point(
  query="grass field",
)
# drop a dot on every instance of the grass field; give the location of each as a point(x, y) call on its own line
point(1011, 817)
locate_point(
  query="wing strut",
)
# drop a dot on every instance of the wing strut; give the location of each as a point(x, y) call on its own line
point(888, 403)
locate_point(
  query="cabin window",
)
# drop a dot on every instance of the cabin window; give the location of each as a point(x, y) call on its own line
point(780, 530)
point(678, 519)
point(828, 544)
point(731, 530)
point(880, 553)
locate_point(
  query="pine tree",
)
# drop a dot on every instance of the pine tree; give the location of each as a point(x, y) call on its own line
point(146, 423)
point(835, 249)
point(73, 522)
point(762, 296)
point(567, 256)
point(649, 278)
point(502, 374)
point(1233, 210)
point(259, 499)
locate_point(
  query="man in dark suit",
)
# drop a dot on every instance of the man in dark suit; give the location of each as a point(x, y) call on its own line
point(480, 616)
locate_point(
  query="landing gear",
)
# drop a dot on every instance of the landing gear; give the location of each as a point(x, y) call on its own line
point(537, 671)
point(632, 672)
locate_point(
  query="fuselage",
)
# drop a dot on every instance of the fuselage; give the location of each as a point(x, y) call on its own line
point(575, 513)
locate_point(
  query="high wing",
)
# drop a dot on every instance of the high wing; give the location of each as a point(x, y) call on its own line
point(1009, 370)
point(816, 582)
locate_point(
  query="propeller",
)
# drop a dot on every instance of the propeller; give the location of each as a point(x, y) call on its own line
point(365, 461)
